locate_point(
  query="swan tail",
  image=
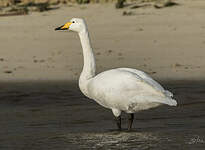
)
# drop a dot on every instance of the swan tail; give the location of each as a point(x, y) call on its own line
point(165, 100)
point(149, 101)
point(168, 93)
point(157, 99)
point(170, 102)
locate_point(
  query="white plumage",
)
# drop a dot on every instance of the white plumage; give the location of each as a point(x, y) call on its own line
point(125, 89)
point(121, 89)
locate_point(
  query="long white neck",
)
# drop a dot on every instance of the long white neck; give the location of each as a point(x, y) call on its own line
point(88, 56)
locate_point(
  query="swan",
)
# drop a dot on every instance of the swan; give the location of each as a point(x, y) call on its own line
point(122, 89)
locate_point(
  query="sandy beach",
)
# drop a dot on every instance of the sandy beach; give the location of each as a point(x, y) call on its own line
point(40, 102)
point(167, 43)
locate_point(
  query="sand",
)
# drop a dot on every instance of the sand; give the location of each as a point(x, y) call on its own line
point(167, 43)
point(42, 107)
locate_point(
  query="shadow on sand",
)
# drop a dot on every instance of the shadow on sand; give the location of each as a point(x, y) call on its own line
point(56, 116)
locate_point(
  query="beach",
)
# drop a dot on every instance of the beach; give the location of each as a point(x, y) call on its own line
point(42, 106)
point(166, 43)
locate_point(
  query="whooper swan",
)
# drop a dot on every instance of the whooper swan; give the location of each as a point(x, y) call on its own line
point(120, 89)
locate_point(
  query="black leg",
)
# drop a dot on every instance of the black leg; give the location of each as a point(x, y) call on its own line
point(130, 121)
point(118, 121)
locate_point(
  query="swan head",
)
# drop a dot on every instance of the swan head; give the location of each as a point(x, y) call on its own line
point(75, 24)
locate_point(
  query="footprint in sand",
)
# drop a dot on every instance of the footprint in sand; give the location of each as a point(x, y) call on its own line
point(35, 61)
point(139, 29)
point(109, 51)
point(98, 53)
point(8, 71)
point(1, 59)
point(40, 61)
point(119, 54)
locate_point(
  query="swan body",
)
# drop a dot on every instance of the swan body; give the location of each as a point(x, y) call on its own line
point(125, 89)
point(120, 89)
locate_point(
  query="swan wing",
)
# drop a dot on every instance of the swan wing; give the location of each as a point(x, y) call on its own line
point(118, 88)
point(149, 80)
point(143, 102)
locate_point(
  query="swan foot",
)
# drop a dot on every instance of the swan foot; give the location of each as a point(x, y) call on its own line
point(118, 121)
point(130, 121)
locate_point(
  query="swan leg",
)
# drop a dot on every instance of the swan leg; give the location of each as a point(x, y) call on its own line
point(130, 121)
point(117, 114)
point(118, 121)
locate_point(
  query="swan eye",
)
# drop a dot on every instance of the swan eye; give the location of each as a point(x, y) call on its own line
point(73, 21)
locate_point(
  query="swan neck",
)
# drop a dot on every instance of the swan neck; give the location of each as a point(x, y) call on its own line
point(88, 57)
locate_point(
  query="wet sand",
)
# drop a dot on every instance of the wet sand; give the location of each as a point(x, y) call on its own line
point(56, 116)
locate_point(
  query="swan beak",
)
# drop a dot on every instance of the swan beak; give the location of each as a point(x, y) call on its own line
point(64, 27)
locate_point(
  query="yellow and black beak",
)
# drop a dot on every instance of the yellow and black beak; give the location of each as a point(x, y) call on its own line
point(64, 27)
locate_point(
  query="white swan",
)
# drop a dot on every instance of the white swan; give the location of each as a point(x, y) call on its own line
point(121, 89)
